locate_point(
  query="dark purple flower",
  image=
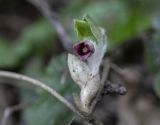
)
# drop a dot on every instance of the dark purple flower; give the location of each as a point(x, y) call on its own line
point(84, 49)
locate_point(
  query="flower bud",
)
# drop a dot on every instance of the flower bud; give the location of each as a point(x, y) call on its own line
point(84, 49)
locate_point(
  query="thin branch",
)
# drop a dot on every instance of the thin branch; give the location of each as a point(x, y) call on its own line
point(52, 16)
point(105, 74)
point(5, 75)
point(71, 121)
point(5, 116)
point(117, 69)
point(8, 111)
point(10, 75)
point(110, 88)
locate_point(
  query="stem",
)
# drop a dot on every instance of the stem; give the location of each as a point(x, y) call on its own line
point(10, 75)
point(45, 9)
point(117, 69)
point(5, 75)
point(9, 110)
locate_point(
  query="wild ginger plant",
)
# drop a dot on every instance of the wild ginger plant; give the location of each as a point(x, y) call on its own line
point(84, 65)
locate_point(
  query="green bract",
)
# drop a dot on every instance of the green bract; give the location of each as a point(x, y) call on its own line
point(87, 29)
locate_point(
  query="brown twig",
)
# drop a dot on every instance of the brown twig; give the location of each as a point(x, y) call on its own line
point(52, 16)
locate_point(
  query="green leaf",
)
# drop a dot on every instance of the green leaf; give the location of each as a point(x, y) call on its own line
point(8, 56)
point(88, 29)
point(93, 26)
point(36, 39)
point(46, 104)
point(83, 29)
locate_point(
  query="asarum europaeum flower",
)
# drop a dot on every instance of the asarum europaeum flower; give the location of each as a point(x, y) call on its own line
point(84, 49)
